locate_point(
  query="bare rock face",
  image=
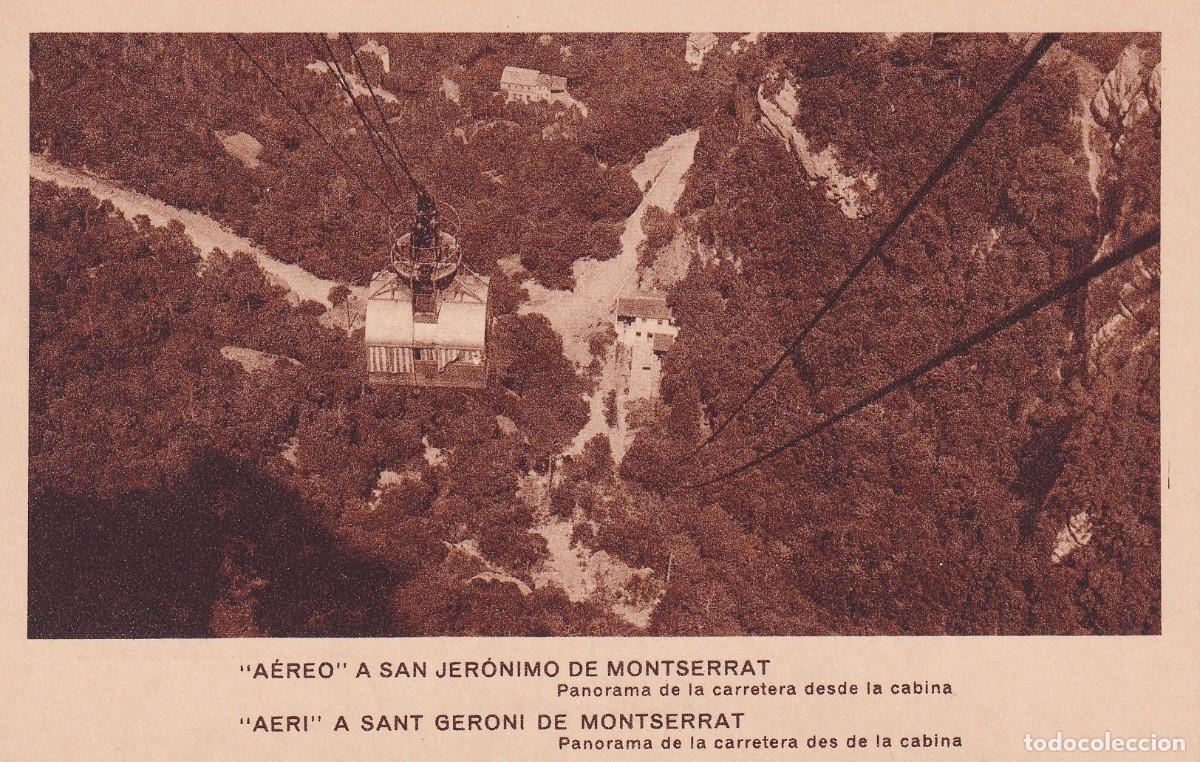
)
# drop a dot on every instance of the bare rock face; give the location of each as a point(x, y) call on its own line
point(1115, 336)
point(1126, 93)
point(1122, 305)
point(697, 46)
point(778, 116)
point(745, 41)
point(1133, 324)
point(1120, 96)
point(241, 146)
point(451, 90)
point(253, 360)
point(506, 426)
point(1076, 533)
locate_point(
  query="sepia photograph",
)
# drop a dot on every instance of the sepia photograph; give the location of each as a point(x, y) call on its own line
point(365, 334)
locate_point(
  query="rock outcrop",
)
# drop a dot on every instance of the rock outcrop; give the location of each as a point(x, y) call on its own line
point(451, 90)
point(1116, 332)
point(697, 46)
point(820, 167)
point(1126, 92)
point(745, 41)
point(253, 360)
point(1122, 117)
point(1076, 533)
point(241, 146)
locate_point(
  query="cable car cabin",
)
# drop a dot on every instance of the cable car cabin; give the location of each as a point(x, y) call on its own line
point(427, 320)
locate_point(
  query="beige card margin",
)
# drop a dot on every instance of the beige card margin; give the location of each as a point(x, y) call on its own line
point(178, 699)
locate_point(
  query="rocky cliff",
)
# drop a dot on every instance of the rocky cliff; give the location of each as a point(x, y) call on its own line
point(1122, 125)
point(779, 105)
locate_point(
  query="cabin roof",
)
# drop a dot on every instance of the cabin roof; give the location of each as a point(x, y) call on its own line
point(462, 318)
point(663, 342)
point(515, 75)
point(644, 304)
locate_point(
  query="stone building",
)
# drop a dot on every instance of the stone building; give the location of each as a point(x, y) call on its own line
point(646, 331)
point(527, 85)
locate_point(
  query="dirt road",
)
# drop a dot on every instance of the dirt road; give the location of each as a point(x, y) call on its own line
point(580, 572)
point(206, 233)
point(577, 313)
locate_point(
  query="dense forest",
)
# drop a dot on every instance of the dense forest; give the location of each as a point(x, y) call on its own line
point(176, 492)
point(543, 201)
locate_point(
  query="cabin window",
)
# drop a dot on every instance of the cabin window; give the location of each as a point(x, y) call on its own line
point(383, 359)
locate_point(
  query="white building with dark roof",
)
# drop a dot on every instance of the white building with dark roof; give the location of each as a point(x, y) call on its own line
point(527, 85)
point(646, 330)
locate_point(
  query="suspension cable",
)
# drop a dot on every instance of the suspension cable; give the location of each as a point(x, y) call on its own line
point(392, 144)
point(335, 70)
point(292, 105)
point(1054, 293)
point(876, 249)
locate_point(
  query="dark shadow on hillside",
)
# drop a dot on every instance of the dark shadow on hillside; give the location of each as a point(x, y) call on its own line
point(149, 566)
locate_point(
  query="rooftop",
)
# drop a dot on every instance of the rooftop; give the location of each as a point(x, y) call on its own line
point(462, 318)
point(552, 81)
point(644, 304)
point(515, 75)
